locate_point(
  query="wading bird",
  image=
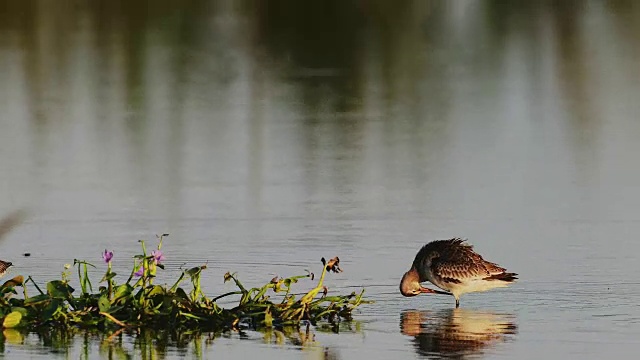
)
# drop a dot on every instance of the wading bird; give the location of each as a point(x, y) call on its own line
point(452, 265)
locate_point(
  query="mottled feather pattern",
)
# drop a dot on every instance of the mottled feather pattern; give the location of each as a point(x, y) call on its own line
point(4, 265)
point(452, 265)
point(454, 259)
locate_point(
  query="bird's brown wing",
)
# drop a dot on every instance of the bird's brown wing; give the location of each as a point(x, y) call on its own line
point(459, 262)
point(4, 265)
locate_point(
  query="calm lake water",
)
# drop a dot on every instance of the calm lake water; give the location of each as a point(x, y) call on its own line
point(264, 135)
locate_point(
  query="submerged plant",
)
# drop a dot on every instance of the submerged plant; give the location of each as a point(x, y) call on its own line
point(140, 304)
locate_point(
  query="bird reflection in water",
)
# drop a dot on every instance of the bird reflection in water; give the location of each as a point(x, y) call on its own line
point(456, 332)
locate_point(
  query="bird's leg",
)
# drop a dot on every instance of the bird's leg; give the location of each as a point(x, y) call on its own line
point(425, 290)
point(457, 303)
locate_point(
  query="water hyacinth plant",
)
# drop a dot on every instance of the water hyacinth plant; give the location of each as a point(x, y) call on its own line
point(138, 303)
point(107, 256)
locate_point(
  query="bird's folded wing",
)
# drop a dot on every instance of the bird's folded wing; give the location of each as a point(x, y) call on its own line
point(463, 264)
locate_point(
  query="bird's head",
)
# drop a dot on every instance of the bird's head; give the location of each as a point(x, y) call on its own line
point(410, 284)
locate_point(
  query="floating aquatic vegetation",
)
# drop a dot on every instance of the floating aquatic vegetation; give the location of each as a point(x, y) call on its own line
point(138, 303)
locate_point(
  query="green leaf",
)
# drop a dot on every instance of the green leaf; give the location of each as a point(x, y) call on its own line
point(181, 294)
point(115, 308)
point(82, 262)
point(85, 279)
point(191, 316)
point(261, 292)
point(50, 309)
point(12, 320)
point(37, 299)
point(7, 290)
point(196, 270)
point(156, 290)
point(104, 304)
point(21, 310)
point(122, 291)
point(59, 289)
point(108, 276)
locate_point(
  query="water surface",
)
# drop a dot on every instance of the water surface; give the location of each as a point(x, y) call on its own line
point(265, 135)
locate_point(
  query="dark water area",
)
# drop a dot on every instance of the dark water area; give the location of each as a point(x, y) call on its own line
point(264, 135)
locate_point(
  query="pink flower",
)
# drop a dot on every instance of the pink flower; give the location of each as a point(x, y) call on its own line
point(107, 256)
point(140, 271)
point(158, 257)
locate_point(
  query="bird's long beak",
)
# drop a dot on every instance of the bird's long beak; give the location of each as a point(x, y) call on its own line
point(425, 290)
